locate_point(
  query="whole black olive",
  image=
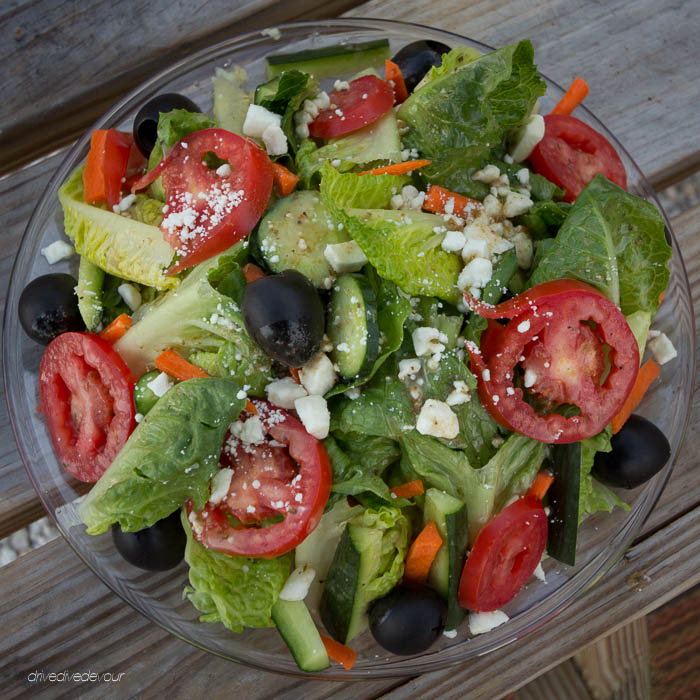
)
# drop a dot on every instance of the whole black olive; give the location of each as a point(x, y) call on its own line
point(407, 620)
point(417, 58)
point(48, 307)
point(146, 120)
point(284, 315)
point(639, 451)
point(156, 548)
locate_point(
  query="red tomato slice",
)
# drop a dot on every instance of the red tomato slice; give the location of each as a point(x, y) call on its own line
point(572, 153)
point(505, 554)
point(266, 483)
point(367, 99)
point(86, 393)
point(207, 213)
point(550, 333)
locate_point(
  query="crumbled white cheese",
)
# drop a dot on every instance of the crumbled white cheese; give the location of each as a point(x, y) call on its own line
point(486, 621)
point(196, 522)
point(341, 85)
point(475, 248)
point(296, 587)
point(284, 392)
point(453, 242)
point(314, 414)
point(524, 249)
point(275, 141)
point(523, 176)
point(460, 394)
point(524, 326)
point(436, 418)
point(130, 295)
point(516, 204)
point(250, 431)
point(257, 119)
point(138, 417)
point(345, 257)
point(124, 203)
point(489, 174)
point(56, 251)
point(223, 170)
point(318, 375)
point(477, 273)
point(160, 384)
point(426, 340)
point(527, 137)
point(272, 32)
point(529, 379)
point(662, 349)
point(220, 483)
point(450, 634)
point(409, 368)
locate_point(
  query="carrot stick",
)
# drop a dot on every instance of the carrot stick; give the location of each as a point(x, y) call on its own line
point(283, 179)
point(397, 168)
point(437, 201)
point(540, 485)
point(294, 373)
point(250, 407)
point(661, 298)
point(648, 372)
point(252, 272)
point(178, 367)
point(421, 554)
point(408, 490)
point(116, 329)
point(395, 78)
point(339, 652)
point(572, 97)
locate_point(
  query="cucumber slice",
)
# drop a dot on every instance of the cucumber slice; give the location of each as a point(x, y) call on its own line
point(562, 499)
point(450, 517)
point(144, 398)
point(331, 61)
point(299, 632)
point(294, 234)
point(89, 291)
point(352, 326)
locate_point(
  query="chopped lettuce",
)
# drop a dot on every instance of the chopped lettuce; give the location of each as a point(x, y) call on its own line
point(231, 101)
point(365, 191)
point(452, 61)
point(119, 245)
point(543, 219)
point(459, 120)
point(146, 210)
point(238, 592)
point(169, 458)
point(615, 242)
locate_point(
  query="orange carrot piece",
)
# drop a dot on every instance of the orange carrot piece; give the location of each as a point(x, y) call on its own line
point(572, 97)
point(178, 367)
point(661, 298)
point(437, 198)
point(395, 79)
point(421, 554)
point(294, 374)
point(408, 490)
point(648, 372)
point(116, 329)
point(540, 485)
point(339, 652)
point(250, 407)
point(283, 180)
point(252, 272)
point(398, 168)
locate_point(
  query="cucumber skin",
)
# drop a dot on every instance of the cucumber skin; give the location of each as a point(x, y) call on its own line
point(89, 291)
point(144, 398)
point(563, 502)
point(297, 628)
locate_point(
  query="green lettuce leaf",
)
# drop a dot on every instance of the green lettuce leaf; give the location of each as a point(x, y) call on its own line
point(238, 592)
point(231, 101)
point(170, 457)
point(363, 191)
point(452, 61)
point(543, 219)
point(459, 120)
point(615, 242)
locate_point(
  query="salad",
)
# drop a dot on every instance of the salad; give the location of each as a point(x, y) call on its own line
point(363, 344)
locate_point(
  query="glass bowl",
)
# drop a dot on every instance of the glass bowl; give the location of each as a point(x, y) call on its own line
point(602, 538)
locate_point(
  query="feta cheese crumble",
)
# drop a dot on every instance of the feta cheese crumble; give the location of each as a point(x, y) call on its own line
point(57, 251)
point(159, 385)
point(297, 586)
point(345, 257)
point(130, 295)
point(436, 418)
point(486, 621)
point(318, 375)
point(662, 349)
point(284, 392)
point(250, 432)
point(220, 483)
point(314, 414)
point(257, 119)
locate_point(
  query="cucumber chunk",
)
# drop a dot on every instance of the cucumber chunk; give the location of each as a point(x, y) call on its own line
point(331, 61)
point(352, 326)
point(294, 234)
point(144, 398)
point(89, 291)
point(562, 499)
point(299, 632)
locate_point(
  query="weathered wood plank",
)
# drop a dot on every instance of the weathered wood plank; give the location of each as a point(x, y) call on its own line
point(635, 55)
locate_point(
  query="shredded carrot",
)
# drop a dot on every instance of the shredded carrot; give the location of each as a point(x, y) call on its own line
point(116, 329)
point(437, 201)
point(398, 168)
point(661, 298)
point(408, 490)
point(421, 554)
point(572, 97)
point(252, 272)
point(178, 367)
point(540, 485)
point(648, 372)
point(294, 373)
point(395, 78)
point(283, 179)
point(250, 407)
point(339, 652)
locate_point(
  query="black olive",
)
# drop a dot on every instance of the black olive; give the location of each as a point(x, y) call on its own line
point(146, 120)
point(284, 315)
point(48, 307)
point(407, 620)
point(639, 451)
point(417, 58)
point(156, 548)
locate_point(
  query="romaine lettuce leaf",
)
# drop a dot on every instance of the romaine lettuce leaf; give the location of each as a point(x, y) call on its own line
point(231, 101)
point(615, 242)
point(452, 61)
point(363, 191)
point(544, 218)
point(170, 457)
point(459, 120)
point(238, 592)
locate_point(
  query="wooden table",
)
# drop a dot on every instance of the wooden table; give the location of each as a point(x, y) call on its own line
point(65, 63)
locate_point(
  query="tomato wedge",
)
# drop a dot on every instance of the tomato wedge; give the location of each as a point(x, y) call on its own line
point(553, 346)
point(267, 484)
point(86, 393)
point(367, 99)
point(208, 210)
point(572, 153)
point(505, 554)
